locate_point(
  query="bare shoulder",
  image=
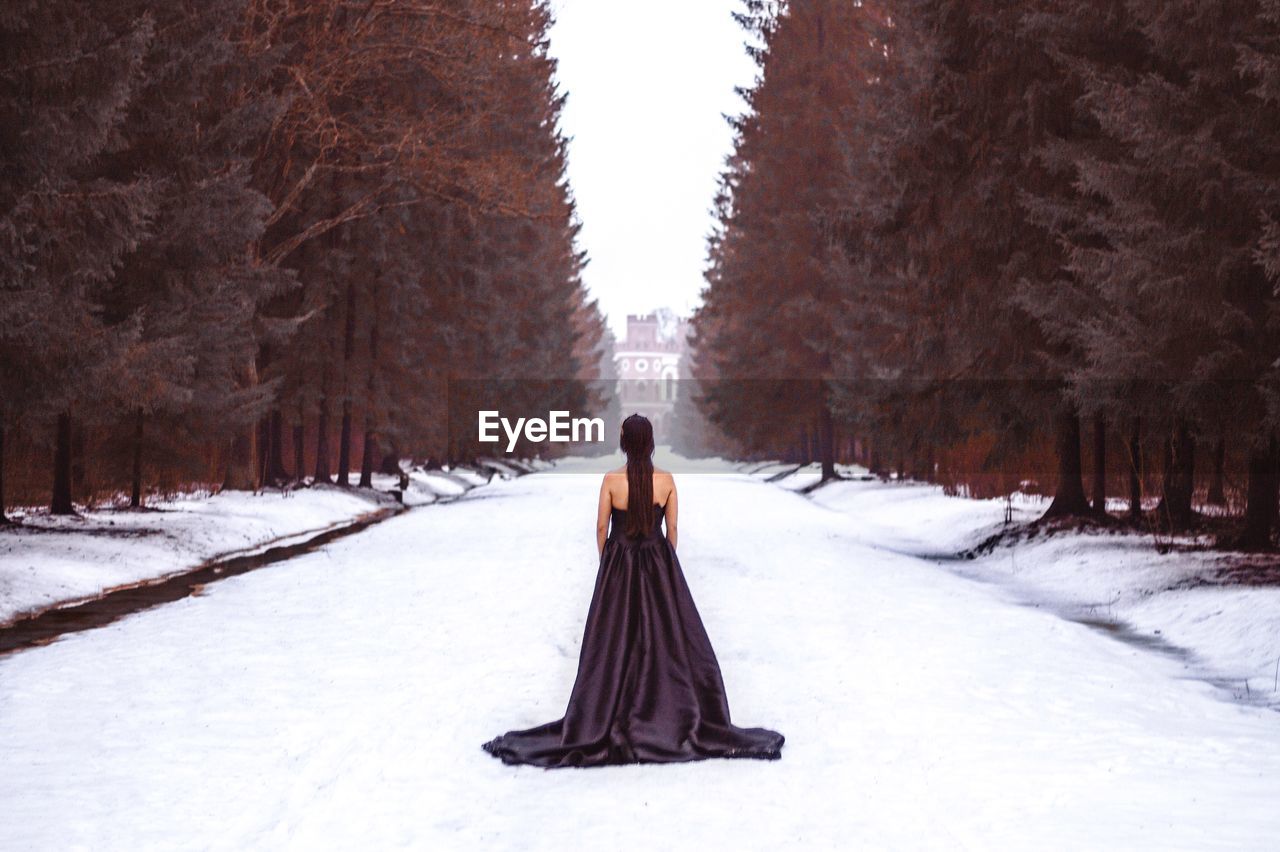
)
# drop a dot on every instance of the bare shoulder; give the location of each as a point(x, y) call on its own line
point(664, 484)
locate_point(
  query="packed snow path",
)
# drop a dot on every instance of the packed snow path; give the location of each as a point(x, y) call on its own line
point(339, 700)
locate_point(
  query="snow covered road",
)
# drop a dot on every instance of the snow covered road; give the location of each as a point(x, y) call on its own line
point(339, 700)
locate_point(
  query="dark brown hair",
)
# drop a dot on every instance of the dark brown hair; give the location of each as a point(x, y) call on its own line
point(637, 443)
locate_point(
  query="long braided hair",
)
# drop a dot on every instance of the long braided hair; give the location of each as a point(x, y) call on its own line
point(637, 443)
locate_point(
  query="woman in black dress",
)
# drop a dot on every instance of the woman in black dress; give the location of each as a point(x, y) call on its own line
point(648, 688)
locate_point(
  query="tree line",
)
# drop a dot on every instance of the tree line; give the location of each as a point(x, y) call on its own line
point(998, 243)
point(252, 241)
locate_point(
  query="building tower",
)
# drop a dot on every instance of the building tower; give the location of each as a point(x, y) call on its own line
point(648, 362)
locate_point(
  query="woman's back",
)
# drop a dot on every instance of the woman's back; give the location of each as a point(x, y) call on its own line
point(615, 482)
point(614, 507)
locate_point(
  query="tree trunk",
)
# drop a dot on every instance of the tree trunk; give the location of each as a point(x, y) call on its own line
point(875, 465)
point(1100, 465)
point(1217, 492)
point(61, 504)
point(1069, 498)
point(371, 387)
point(344, 445)
point(1179, 478)
point(348, 351)
point(135, 495)
point(322, 441)
point(370, 449)
point(276, 471)
point(4, 519)
point(264, 449)
point(826, 440)
point(1135, 468)
point(299, 446)
point(1263, 497)
point(240, 462)
point(241, 456)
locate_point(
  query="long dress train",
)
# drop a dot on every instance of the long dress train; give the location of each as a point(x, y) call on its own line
point(649, 688)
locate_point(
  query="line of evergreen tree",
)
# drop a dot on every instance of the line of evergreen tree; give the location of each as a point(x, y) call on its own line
point(250, 241)
point(953, 234)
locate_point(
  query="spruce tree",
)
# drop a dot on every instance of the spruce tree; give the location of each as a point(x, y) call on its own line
point(190, 286)
point(68, 73)
point(1170, 301)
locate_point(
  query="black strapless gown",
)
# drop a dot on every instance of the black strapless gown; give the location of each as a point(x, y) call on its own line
point(649, 688)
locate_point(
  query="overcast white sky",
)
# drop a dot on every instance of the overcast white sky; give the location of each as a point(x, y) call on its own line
point(648, 83)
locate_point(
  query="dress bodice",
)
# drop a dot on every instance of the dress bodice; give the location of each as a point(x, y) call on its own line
point(618, 521)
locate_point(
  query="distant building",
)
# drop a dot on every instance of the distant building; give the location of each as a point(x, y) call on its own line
point(648, 362)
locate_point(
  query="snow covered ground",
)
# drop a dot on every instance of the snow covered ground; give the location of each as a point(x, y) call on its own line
point(339, 700)
point(1120, 581)
point(50, 560)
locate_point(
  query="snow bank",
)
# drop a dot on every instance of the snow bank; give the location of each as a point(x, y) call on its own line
point(1119, 581)
point(48, 561)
